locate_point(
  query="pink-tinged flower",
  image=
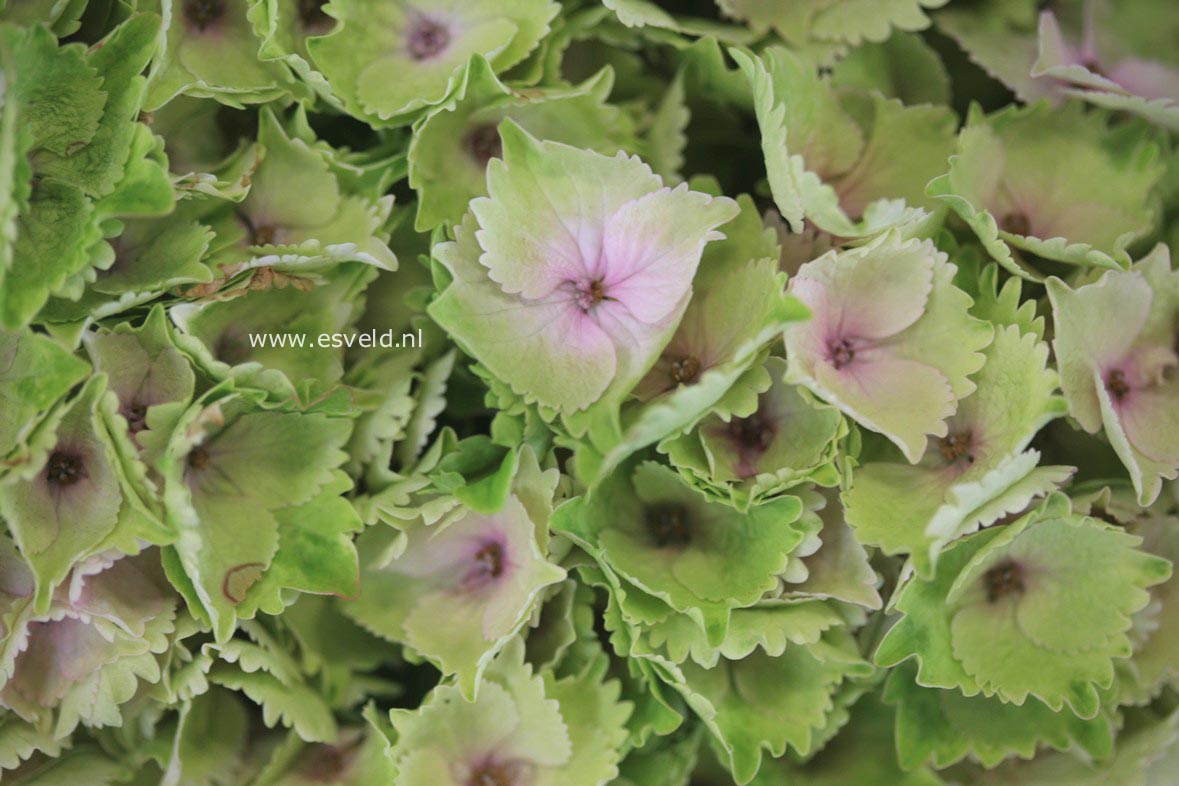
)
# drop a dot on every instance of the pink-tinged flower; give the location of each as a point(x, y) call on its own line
point(571, 277)
point(1094, 61)
point(479, 573)
point(523, 729)
point(977, 473)
point(890, 342)
point(86, 654)
point(1115, 345)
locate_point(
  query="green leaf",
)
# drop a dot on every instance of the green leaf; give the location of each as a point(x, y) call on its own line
point(35, 373)
point(940, 727)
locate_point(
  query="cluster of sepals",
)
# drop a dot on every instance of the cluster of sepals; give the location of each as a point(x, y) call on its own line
point(865, 476)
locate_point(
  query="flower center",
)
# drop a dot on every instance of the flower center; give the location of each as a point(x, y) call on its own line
point(956, 446)
point(1004, 579)
point(753, 434)
point(489, 560)
point(487, 566)
point(1016, 222)
point(483, 143)
point(136, 416)
point(324, 763)
point(203, 14)
point(512, 773)
point(265, 234)
point(198, 458)
point(669, 526)
point(1117, 385)
point(590, 294)
point(686, 370)
point(64, 468)
point(427, 39)
point(261, 233)
point(842, 353)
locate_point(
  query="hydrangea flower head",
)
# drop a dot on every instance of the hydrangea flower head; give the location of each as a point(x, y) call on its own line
point(787, 439)
point(524, 729)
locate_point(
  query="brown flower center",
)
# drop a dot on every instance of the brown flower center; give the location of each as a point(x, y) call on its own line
point(1016, 222)
point(511, 773)
point(324, 763)
point(489, 561)
point(842, 353)
point(1117, 385)
point(483, 143)
point(265, 234)
point(753, 434)
point(427, 39)
point(956, 446)
point(1002, 580)
point(590, 294)
point(136, 415)
point(198, 458)
point(686, 370)
point(669, 525)
point(203, 14)
point(64, 468)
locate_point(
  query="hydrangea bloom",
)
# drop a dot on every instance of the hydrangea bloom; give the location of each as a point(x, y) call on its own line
point(620, 393)
point(422, 43)
point(523, 729)
point(997, 618)
point(1010, 183)
point(1107, 65)
point(975, 474)
point(571, 303)
point(1122, 375)
point(84, 655)
point(837, 160)
point(891, 342)
point(481, 571)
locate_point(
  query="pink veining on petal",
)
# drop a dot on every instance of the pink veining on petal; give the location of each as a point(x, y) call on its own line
point(554, 262)
point(643, 263)
point(491, 769)
point(1151, 421)
point(827, 338)
point(750, 437)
